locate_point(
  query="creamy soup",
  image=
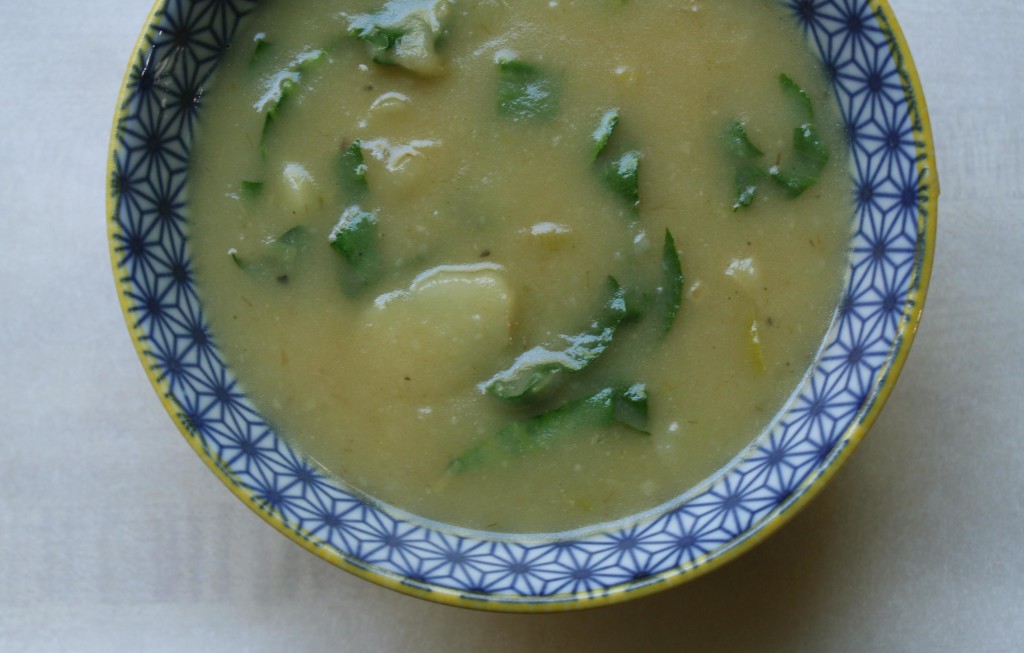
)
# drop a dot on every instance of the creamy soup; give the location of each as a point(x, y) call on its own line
point(519, 265)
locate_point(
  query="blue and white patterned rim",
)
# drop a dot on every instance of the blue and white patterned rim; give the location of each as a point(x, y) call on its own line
point(149, 162)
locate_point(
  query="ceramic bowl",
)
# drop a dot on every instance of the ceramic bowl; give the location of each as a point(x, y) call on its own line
point(895, 188)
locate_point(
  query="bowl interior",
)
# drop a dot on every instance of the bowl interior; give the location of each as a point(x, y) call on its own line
point(895, 190)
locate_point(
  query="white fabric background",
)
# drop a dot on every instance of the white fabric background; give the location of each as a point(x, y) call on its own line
point(114, 536)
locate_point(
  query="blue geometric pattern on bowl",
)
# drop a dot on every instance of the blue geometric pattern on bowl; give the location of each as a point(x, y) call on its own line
point(150, 160)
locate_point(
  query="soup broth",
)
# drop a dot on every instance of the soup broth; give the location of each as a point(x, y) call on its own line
point(519, 265)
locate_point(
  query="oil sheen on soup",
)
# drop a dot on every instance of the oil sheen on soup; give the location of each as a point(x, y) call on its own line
point(519, 265)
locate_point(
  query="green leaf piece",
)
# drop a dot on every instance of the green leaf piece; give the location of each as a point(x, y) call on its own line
point(252, 189)
point(535, 434)
point(798, 97)
point(622, 177)
point(279, 258)
point(737, 143)
point(747, 175)
point(261, 51)
point(354, 238)
point(282, 86)
point(810, 156)
point(630, 408)
point(747, 178)
point(404, 33)
point(537, 369)
point(352, 173)
point(605, 128)
point(672, 282)
point(285, 88)
point(526, 92)
point(309, 61)
point(294, 237)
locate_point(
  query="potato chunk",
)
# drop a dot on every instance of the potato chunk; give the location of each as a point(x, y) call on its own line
point(295, 190)
point(404, 33)
point(452, 320)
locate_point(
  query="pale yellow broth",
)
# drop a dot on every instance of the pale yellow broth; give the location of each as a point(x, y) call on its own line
point(384, 399)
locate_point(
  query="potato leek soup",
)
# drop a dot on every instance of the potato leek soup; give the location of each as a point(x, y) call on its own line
point(519, 265)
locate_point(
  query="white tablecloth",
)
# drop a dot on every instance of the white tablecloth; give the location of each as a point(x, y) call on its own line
point(114, 536)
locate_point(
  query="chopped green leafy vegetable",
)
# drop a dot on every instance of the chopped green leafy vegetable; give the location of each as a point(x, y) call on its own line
point(251, 189)
point(354, 238)
point(525, 91)
point(627, 406)
point(747, 175)
point(538, 368)
point(622, 176)
point(810, 155)
point(281, 94)
point(620, 173)
point(801, 101)
point(630, 408)
point(294, 237)
point(308, 61)
point(352, 172)
point(262, 49)
point(737, 143)
point(279, 258)
point(280, 87)
point(404, 33)
point(601, 135)
point(747, 178)
point(672, 281)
